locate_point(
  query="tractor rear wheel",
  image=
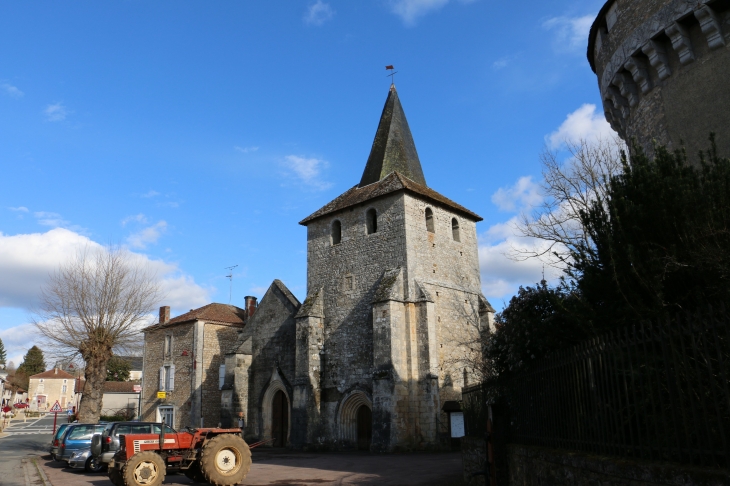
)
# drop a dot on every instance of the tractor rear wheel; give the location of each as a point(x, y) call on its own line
point(225, 460)
point(144, 469)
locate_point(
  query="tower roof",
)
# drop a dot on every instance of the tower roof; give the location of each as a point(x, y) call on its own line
point(393, 148)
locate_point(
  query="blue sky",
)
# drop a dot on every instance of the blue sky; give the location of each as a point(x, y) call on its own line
point(198, 134)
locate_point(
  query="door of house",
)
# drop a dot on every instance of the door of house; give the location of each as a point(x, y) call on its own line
point(364, 428)
point(167, 416)
point(280, 419)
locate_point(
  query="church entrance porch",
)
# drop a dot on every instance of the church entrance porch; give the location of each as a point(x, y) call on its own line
point(364, 428)
point(279, 419)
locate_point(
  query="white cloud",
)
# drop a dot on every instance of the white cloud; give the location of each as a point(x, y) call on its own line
point(571, 33)
point(502, 275)
point(137, 218)
point(147, 236)
point(246, 150)
point(150, 193)
point(17, 340)
point(11, 90)
point(412, 10)
point(318, 13)
point(26, 260)
point(584, 124)
point(19, 209)
point(307, 170)
point(56, 112)
point(53, 220)
point(525, 194)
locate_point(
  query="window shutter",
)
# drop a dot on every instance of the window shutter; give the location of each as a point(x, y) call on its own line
point(162, 378)
point(172, 377)
point(221, 376)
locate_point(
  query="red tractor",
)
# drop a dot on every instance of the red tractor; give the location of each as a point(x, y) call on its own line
point(216, 456)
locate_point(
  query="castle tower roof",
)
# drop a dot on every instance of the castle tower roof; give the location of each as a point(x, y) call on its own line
point(393, 148)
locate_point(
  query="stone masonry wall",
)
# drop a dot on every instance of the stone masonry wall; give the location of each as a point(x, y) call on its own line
point(154, 358)
point(349, 273)
point(449, 271)
point(218, 340)
point(661, 69)
point(536, 466)
point(273, 331)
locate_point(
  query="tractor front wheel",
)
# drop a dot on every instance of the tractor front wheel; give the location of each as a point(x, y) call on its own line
point(115, 476)
point(225, 460)
point(144, 469)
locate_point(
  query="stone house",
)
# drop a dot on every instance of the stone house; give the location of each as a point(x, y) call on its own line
point(183, 358)
point(381, 342)
point(120, 398)
point(46, 388)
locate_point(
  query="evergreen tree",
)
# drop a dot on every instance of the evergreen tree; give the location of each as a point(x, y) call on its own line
point(3, 354)
point(660, 240)
point(117, 369)
point(33, 362)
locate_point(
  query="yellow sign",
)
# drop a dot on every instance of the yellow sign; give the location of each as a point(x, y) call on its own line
point(161, 394)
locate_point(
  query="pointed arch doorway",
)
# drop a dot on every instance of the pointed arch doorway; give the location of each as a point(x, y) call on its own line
point(279, 419)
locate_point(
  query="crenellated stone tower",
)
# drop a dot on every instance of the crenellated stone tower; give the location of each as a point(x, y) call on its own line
point(393, 299)
point(663, 68)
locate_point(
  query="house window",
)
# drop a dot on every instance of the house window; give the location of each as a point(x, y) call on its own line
point(63, 389)
point(371, 221)
point(455, 229)
point(336, 232)
point(168, 344)
point(167, 378)
point(429, 221)
point(349, 282)
point(221, 376)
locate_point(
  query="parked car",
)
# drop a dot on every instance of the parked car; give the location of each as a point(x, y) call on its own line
point(55, 441)
point(75, 446)
point(110, 436)
point(20, 405)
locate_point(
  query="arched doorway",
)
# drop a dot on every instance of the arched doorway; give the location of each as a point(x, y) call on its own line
point(279, 419)
point(364, 427)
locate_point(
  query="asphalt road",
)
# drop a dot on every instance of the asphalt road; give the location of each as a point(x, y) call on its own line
point(23, 440)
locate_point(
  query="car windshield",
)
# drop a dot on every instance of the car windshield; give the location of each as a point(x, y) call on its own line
point(84, 432)
point(61, 429)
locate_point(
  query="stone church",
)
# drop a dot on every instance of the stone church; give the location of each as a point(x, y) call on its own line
point(384, 338)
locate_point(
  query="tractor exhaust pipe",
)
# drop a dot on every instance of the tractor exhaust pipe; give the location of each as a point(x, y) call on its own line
point(162, 436)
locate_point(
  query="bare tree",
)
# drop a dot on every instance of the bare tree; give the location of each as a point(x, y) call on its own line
point(93, 306)
point(568, 187)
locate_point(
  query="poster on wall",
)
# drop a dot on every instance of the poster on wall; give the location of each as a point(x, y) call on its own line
point(457, 424)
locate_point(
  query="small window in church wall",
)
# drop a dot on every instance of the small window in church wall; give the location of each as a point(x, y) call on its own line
point(455, 229)
point(371, 221)
point(429, 221)
point(336, 232)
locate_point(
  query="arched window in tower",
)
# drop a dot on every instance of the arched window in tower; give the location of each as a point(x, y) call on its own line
point(429, 221)
point(336, 232)
point(455, 229)
point(371, 221)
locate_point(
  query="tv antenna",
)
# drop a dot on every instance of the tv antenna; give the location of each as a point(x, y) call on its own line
point(230, 279)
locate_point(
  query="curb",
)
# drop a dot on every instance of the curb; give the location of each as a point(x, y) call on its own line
point(33, 470)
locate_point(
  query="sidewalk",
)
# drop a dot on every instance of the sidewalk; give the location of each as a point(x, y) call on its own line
point(34, 473)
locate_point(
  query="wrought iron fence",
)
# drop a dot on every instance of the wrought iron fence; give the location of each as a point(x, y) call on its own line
point(657, 391)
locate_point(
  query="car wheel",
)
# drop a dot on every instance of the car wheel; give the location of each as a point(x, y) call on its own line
point(93, 465)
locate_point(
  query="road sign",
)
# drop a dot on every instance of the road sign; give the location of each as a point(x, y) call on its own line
point(56, 408)
point(161, 394)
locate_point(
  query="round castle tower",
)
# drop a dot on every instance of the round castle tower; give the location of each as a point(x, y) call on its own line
point(663, 70)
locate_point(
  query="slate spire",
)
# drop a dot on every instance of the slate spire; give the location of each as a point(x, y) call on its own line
point(393, 147)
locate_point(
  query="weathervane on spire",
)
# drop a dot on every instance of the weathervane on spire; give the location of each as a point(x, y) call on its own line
point(392, 74)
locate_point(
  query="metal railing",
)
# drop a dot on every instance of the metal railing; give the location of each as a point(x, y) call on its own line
point(655, 391)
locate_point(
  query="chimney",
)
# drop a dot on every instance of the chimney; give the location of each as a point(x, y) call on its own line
point(250, 305)
point(55, 371)
point(164, 314)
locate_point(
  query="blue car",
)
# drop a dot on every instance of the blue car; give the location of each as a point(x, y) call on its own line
point(75, 446)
